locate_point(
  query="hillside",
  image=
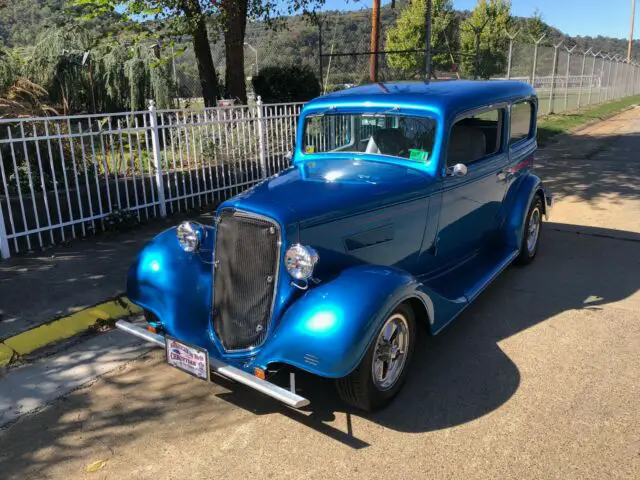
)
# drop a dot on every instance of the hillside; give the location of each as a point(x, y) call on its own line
point(21, 21)
point(295, 40)
point(292, 40)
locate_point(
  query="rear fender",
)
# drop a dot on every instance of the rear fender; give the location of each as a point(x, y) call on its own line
point(519, 198)
point(327, 331)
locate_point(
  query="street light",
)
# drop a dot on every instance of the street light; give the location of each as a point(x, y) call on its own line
point(255, 52)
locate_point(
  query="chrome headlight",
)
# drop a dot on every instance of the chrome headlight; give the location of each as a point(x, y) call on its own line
point(300, 261)
point(189, 236)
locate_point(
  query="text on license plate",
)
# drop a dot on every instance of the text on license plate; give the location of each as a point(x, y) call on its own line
point(188, 358)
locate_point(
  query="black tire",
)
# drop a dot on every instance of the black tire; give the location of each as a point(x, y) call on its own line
point(359, 389)
point(527, 253)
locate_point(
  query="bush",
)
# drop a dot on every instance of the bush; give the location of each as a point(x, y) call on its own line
point(286, 84)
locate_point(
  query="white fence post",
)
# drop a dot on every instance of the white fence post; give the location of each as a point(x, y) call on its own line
point(4, 242)
point(157, 165)
point(261, 142)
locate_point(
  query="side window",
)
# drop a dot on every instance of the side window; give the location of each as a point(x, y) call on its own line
point(521, 115)
point(475, 136)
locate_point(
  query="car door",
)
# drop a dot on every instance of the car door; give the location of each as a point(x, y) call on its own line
point(473, 186)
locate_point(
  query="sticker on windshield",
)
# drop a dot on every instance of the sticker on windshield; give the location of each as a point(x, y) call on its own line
point(310, 149)
point(418, 155)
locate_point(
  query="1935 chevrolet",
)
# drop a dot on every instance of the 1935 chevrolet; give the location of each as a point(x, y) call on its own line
point(403, 202)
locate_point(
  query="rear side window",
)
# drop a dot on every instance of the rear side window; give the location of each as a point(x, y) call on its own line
point(521, 115)
point(475, 137)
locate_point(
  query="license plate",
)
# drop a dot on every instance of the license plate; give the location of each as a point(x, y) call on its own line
point(190, 359)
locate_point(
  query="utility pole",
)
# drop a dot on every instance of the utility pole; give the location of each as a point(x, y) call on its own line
point(427, 41)
point(375, 37)
point(633, 18)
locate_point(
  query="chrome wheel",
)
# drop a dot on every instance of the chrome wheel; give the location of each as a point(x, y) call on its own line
point(390, 352)
point(534, 230)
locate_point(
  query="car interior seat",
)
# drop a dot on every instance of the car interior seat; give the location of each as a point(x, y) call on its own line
point(388, 141)
point(466, 144)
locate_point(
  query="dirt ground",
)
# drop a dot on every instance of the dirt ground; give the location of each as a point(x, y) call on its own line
point(538, 379)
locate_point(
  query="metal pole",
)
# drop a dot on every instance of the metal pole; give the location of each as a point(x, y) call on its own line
point(584, 60)
point(615, 77)
point(375, 38)
point(601, 78)
point(173, 62)
point(4, 242)
point(535, 59)
point(427, 40)
point(261, 142)
point(511, 39)
point(633, 16)
point(255, 53)
point(608, 82)
point(320, 50)
point(157, 165)
point(593, 68)
point(566, 77)
point(553, 75)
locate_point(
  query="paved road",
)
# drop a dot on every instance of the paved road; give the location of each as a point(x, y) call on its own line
point(538, 379)
point(596, 175)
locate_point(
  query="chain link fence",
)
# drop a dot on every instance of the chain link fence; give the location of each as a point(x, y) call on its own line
point(336, 45)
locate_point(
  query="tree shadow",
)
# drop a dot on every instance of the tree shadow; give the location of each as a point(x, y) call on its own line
point(592, 167)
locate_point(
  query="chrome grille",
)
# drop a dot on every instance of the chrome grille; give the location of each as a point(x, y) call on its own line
point(245, 275)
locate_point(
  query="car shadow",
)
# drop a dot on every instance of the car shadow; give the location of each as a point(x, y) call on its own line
point(462, 373)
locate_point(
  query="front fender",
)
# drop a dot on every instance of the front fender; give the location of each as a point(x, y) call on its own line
point(519, 198)
point(327, 331)
point(175, 285)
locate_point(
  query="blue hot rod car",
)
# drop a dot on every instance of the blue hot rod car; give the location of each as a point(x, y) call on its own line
point(402, 203)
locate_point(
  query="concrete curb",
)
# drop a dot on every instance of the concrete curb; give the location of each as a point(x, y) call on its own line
point(24, 343)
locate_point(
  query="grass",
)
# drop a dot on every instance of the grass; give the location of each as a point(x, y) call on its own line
point(552, 125)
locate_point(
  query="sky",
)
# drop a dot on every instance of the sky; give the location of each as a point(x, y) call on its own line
point(609, 18)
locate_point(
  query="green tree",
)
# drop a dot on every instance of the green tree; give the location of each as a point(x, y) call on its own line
point(535, 26)
point(231, 17)
point(483, 38)
point(408, 33)
point(81, 72)
point(177, 17)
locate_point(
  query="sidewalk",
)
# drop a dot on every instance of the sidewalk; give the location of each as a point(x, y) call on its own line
point(593, 173)
point(40, 287)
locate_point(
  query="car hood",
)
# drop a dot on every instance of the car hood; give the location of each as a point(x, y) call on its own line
point(320, 190)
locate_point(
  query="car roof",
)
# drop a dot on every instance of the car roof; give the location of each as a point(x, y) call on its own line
point(449, 96)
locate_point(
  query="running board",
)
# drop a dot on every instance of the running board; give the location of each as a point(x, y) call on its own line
point(274, 391)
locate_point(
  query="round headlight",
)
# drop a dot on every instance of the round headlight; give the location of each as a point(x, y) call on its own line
point(189, 235)
point(300, 261)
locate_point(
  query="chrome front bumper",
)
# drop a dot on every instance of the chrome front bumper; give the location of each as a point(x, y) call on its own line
point(288, 397)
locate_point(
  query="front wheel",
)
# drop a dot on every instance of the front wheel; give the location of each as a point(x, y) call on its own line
point(531, 233)
point(381, 373)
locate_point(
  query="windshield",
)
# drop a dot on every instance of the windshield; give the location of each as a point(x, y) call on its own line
point(382, 134)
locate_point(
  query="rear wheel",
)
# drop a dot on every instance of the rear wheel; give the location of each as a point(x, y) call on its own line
point(531, 233)
point(381, 373)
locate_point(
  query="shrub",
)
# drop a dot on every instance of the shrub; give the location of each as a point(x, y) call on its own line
point(286, 84)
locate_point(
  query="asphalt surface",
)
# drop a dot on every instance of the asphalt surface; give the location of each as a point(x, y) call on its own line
point(39, 287)
point(538, 379)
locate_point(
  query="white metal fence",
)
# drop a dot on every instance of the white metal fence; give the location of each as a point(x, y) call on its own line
point(64, 177)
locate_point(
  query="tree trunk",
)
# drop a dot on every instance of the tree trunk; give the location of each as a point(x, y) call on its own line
point(235, 12)
point(202, 50)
